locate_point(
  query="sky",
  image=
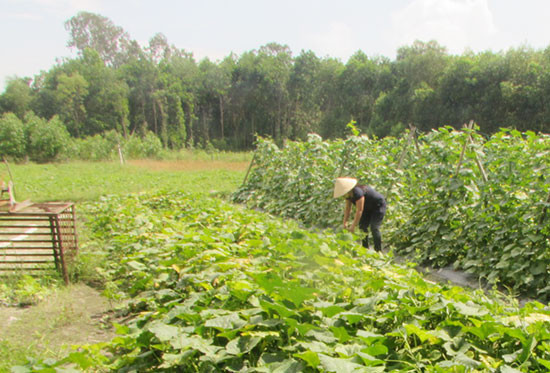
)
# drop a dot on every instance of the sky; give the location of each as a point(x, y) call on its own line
point(33, 36)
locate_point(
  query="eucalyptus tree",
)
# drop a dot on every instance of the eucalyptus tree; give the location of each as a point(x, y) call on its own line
point(334, 120)
point(213, 96)
point(182, 73)
point(210, 89)
point(304, 91)
point(140, 74)
point(92, 31)
point(245, 104)
point(274, 67)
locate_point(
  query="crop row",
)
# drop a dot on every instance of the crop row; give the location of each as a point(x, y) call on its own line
point(214, 287)
point(455, 197)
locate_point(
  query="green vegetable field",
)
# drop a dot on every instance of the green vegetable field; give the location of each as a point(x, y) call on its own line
point(271, 284)
point(215, 287)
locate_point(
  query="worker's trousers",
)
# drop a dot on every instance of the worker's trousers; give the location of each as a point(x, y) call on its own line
point(373, 220)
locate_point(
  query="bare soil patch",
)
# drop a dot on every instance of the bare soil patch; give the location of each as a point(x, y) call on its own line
point(190, 165)
point(74, 315)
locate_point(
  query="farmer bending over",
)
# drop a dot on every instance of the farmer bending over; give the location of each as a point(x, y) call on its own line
point(370, 208)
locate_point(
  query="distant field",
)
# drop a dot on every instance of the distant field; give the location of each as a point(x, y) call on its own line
point(191, 165)
point(87, 181)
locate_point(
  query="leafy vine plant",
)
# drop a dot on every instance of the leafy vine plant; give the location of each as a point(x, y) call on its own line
point(456, 198)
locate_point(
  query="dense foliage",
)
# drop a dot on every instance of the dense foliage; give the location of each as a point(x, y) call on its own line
point(485, 211)
point(214, 287)
point(114, 84)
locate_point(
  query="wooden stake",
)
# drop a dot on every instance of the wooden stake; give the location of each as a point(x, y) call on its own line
point(468, 127)
point(249, 168)
point(478, 162)
point(413, 129)
point(402, 156)
point(544, 212)
point(120, 156)
point(346, 156)
point(11, 177)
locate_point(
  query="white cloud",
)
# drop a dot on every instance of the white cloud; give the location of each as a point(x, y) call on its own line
point(455, 24)
point(337, 41)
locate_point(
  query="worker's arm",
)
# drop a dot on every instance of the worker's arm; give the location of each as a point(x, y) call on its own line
point(359, 205)
point(346, 213)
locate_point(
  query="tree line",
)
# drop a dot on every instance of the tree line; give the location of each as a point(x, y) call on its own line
point(114, 84)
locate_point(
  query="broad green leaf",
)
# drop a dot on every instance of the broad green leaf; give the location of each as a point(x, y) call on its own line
point(242, 345)
point(338, 365)
point(164, 332)
point(296, 294)
point(194, 342)
point(321, 336)
point(228, 322)
point(467, 361)
point(469, 309)
point(268, 281)
point(352, 317)
point(509, 369)
point(545, 363)
point(136, 265)
point(331, 311)
point(376, 349)
point(240, 289)
point(340, 333)
point(310, 357)
point(280, 309)
point(422, 334)
point(369, 336)
point(287, 366)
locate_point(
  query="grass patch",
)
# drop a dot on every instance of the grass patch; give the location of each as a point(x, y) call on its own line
point(88, 181)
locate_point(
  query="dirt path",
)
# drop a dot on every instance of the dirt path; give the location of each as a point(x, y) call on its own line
point(70, 316)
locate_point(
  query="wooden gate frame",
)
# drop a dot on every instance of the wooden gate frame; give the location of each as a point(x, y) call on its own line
point(38, 237)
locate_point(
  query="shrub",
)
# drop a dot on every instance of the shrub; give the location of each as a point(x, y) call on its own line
point(47, 140)
point(94, 148)
point(12, 136)
point(148, 147)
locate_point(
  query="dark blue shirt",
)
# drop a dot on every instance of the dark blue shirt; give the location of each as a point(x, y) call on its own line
point(373, 200)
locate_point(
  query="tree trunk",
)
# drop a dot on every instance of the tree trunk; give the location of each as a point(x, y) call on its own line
point(221, 116)
point(155, 126)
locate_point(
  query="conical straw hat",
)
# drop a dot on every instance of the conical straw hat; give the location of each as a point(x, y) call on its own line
point(342, 185)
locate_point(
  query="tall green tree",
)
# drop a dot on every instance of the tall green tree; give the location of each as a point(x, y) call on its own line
point(418, 69)
point(17, 97)
point(71, 93)
point(92, 31)
point(304, 93)
point(274, 67)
